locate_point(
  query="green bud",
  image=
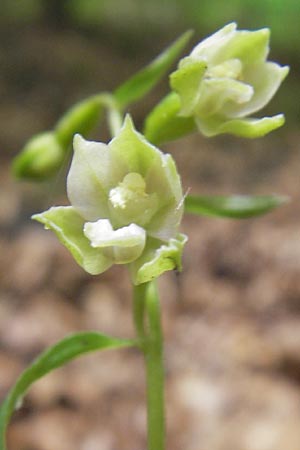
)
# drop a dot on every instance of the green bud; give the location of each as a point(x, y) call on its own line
point(225, 79)
point(163, 124)
point(41, 157)
point(81, 118)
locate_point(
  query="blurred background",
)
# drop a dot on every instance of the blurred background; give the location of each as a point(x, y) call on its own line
point(231, 319)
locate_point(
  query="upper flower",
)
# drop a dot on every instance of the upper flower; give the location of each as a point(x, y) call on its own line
point(227, 78)
point(127, 205)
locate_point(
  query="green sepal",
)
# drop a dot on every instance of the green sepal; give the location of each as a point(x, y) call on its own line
point(249, 46)
point(163, 123)
point(234, 207)
point(143, 81)
point(157, 258)
point(56, 356)
point(81, 118)
point(186, 82)
point(247, 128)
point(41, 157)
point(68, 225)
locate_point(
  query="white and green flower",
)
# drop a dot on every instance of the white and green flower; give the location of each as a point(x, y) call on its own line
point(127, 205)
point(227, 78)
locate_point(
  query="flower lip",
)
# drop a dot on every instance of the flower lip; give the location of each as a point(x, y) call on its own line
point(123, 245)
point(102, 234)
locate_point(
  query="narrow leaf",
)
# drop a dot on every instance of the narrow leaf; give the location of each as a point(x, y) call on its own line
point(56, 356)
point(143, 81)
point(235, 207)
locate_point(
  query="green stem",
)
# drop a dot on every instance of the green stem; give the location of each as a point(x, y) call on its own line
point(147, 302)
point(114, 115)
point(84, 115)
point(115, 121)
point(139, 296)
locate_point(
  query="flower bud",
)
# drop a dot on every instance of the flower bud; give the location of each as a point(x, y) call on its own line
point(40, 158)
point(43, 155)
point(225, 79)
point(81, 118)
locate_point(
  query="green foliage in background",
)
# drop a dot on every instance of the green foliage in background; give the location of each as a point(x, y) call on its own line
point(168, 17)
point(282, 16)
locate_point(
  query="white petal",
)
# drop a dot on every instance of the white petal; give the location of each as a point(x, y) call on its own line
point(92, 174)
point(164, 224)
point(210, 49)
point(265, 79)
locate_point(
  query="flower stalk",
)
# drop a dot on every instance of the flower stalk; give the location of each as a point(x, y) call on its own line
point(146, 306)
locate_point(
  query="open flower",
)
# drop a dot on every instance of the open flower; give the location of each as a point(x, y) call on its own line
point(225, 79)
point(127, 205)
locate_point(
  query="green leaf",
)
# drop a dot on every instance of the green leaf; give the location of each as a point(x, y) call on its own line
point(62, 352)
point(235, 207)
point(143, 81)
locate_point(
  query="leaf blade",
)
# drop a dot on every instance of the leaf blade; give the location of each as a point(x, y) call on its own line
point(54, 357)
point(143, 81)
point(234, 207)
